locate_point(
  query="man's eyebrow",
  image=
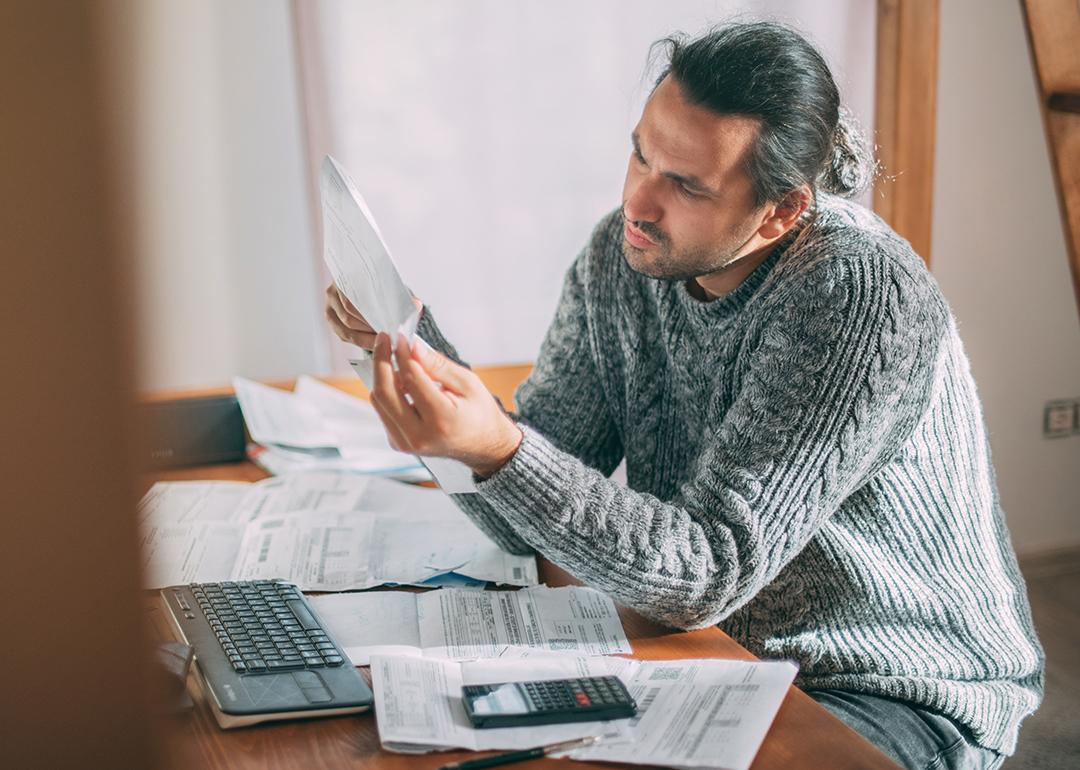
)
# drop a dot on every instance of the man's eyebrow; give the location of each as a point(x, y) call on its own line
point(687, 180)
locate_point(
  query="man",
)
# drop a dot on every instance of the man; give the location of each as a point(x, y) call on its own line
point(806, 459)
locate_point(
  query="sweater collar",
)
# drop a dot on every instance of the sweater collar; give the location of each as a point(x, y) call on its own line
point(729, 304)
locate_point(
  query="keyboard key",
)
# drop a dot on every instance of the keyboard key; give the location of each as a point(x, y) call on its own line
point(317, 694)
point(300, 610)
point(282, 665)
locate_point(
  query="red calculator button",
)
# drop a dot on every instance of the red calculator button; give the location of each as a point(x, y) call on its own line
point(583, 699)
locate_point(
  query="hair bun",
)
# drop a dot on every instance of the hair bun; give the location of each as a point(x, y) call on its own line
point(851, 166)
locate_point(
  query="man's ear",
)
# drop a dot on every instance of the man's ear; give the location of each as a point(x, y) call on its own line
point(786, 213)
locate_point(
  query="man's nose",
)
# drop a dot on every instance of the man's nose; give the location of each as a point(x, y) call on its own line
point(641, 204)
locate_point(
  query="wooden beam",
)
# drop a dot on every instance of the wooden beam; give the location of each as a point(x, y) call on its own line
point(905, 117)
point(1053, 28)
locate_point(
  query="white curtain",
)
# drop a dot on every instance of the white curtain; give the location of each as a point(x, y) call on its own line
point(489, 136)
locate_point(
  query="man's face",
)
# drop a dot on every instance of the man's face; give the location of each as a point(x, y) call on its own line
point(688, 203)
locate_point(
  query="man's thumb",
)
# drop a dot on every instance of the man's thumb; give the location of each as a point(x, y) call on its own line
point(439, 367)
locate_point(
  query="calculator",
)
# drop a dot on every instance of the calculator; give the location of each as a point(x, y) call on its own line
point(519, 704)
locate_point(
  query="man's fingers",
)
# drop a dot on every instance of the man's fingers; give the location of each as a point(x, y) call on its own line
point(388, 393)
point(441, 369)
point(350, 319)
point(394, 435)
point(427, 398)
point(365, 340)
point(347, 304)
point(335, 324)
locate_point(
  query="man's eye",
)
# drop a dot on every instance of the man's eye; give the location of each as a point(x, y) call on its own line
point(639, 157)
point(688, 192)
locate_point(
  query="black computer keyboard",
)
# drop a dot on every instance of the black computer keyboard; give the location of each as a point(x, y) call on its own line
point(262, 652)
point(265, 626)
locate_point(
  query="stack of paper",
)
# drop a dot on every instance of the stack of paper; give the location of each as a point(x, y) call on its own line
point(318, 427)
point(323, 531)
point(691, 713)
point(463, 624)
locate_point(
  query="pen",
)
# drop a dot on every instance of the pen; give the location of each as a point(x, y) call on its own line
point(521, 756)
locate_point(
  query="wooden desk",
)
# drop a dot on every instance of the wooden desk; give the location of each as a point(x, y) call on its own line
point(804, 734)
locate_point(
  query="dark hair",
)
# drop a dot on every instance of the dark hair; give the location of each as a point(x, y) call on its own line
point(768, 71)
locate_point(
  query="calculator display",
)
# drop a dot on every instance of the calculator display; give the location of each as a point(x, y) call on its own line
point(503, 699)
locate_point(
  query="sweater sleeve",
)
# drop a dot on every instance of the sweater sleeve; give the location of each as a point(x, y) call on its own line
point(580, 425)
point(430, 332)
point(835, 379)
point(486, 517)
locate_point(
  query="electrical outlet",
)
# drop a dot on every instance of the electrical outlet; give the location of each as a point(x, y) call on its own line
point(1060, 418)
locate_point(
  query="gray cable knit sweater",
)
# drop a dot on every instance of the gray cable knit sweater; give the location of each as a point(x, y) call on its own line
point(807, 467)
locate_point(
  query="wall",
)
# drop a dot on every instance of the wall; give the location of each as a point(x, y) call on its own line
point(225, 254)
point(488, 137)
point(999, 255)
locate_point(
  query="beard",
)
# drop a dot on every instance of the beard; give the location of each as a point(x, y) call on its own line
point(666, 262)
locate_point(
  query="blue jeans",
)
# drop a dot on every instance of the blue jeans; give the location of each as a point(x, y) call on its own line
point(912, 737)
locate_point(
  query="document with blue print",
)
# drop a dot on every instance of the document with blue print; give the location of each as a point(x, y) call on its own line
point(323, 531)
point(363, 269)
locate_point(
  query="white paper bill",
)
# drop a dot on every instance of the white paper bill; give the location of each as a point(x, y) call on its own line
point(691, 713)
point(275, 416)
point(363, 269)
point(355, 550)
point(462, 624)
point(698, 713)
point(191, 530)
point(323, 531)
point(282, 461)
point(318, 426)
point(361, 437)
point(316, 551)
point(315, 492)
point(371, 623)
point(358, 258)
point(187, 502)
point(418, 701)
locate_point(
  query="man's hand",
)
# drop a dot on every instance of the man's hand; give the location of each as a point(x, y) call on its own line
point(460, 419)
point(347, 322)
